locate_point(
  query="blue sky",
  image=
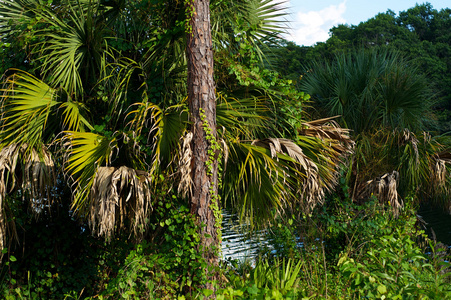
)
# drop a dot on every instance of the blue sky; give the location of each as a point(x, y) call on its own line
point(310, 21)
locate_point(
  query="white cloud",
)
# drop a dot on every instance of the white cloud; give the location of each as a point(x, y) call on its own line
point(311, 27)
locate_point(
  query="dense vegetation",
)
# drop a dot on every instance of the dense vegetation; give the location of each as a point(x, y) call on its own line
point(96, 149)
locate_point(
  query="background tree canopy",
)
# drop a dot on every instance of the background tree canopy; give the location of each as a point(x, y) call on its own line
point(420, 34)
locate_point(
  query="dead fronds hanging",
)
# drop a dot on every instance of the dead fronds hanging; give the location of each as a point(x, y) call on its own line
point(30, 170)
point(119, 198)
point(310, 186)
point(327, 129)
point(184, 165)
point(385, 190)
point(439, 184)
point(439, 174)
point(408, 137)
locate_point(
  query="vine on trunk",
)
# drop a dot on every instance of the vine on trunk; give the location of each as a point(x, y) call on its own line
point(213, 152)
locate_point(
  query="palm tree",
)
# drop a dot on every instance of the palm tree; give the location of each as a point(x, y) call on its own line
point(386, 103)
point(141, 124)
point(370, 89)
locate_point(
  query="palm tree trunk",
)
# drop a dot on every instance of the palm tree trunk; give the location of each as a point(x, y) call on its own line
point(202, 105)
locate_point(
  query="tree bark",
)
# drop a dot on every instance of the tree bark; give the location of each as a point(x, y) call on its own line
point(202, 105)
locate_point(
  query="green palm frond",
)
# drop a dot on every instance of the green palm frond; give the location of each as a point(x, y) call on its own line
point(31, 111)
point(254, 181)
point(72, 51)
point(73, 118)
point(257, 21)
point(166, 63)
point(63, 42)
point(268, 175)
point(404, 93)
point(242, 117)
point(370, 89)
point(265, 20)
point(86, 152)
point(163, 128)
point(118, 77)
point(27, 104)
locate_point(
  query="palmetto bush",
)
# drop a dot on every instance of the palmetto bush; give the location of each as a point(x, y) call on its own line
point(386, 103)
point(370, 89)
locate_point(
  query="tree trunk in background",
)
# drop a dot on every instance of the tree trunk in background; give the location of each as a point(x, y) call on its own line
point(202, 101)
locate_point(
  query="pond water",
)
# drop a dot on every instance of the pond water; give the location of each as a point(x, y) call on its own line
point(438, 223)
point(237, 244)
point(236, 241)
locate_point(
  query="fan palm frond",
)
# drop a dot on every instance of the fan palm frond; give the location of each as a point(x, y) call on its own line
point(72, 51)
point(86, 152)
point(31, 111)
point(27, 104)
point(242, 117)
point(265, 20)
point(369, 89)
point(255, 183)
point(310, 186)
point(164, 128)
point(256, 21)
point(267, 175)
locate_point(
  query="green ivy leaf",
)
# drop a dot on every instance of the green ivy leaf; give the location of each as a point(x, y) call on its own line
point(382, 289)
point(253, 290)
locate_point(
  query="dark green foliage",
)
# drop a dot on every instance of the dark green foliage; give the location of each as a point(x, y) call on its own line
point(57, 257)
point(370, 90)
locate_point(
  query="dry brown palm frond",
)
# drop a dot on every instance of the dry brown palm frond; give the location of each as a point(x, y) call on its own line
point(118, 195)
point(35, 177)
point(337, 146)
point(439, 173)
point(184, 165)
point(385, 190)
point(225, 152)
point(329, 130)
point(311, 187)
point(439, 169)
point(409, 137)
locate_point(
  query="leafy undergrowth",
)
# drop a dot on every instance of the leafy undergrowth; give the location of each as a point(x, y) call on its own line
point(356, 252)
point(343, 251)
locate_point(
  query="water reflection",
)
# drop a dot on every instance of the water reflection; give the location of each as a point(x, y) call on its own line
point(237, 243)
point(438, 224)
